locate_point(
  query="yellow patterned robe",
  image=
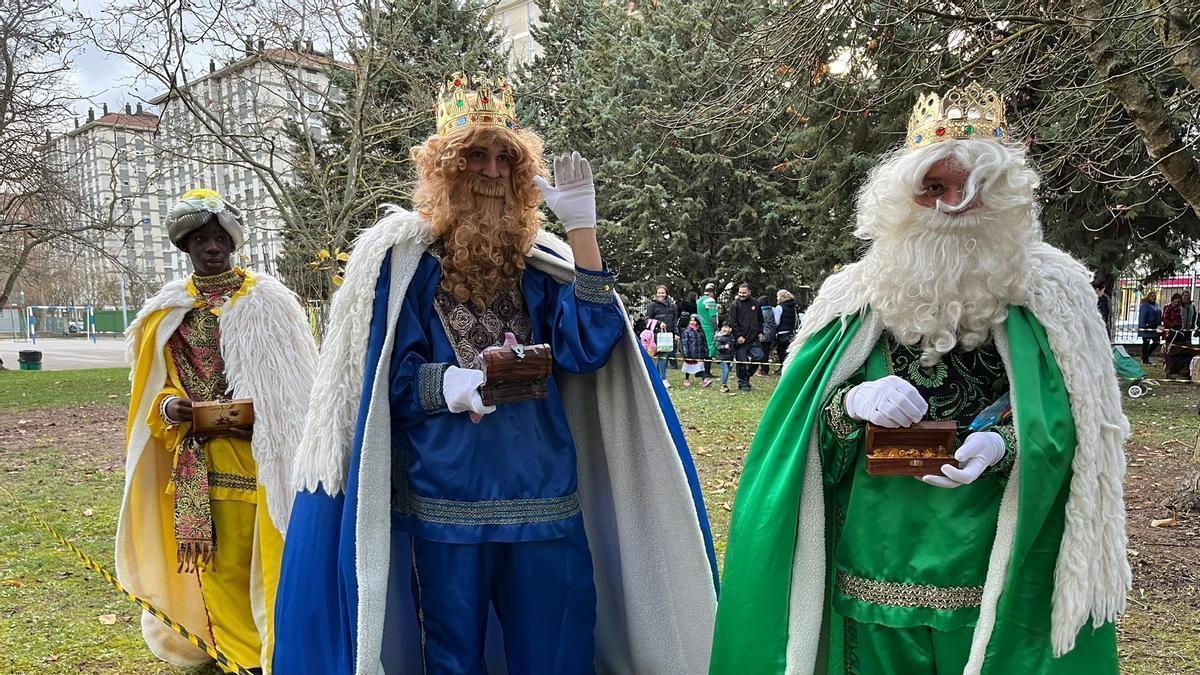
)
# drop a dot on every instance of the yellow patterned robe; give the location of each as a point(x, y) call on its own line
point(269, 355)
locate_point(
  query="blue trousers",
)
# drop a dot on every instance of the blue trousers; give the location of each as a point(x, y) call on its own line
point(665, 358)
point(542, 593)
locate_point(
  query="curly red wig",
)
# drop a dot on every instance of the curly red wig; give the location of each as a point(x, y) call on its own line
point(485, 226)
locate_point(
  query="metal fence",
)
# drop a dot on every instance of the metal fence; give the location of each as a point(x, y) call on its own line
point(1127, 296)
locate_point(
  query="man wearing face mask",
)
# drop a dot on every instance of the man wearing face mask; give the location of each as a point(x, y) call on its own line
point(199, 530)
point(1013, 561)
point(436, 534)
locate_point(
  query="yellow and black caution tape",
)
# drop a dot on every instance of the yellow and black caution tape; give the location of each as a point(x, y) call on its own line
point(716, 362)
point(91, 564)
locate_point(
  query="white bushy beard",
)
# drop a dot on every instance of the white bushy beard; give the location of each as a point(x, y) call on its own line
point(946, 279)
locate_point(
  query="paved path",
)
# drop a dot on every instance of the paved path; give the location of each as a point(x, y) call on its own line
point(68, 353)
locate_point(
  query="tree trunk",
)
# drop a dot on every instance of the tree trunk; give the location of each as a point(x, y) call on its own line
point(1173, 158)
point(22, 261)
point(1177, 32)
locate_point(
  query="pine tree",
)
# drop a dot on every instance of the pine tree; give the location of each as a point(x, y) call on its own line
point(676, 207)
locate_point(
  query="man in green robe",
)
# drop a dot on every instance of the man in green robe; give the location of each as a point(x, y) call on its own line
point(1013, 561)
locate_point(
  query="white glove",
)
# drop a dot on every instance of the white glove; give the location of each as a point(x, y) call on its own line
point(460, 387)
point(888, 402)
point(573, 197)
point(981, 450)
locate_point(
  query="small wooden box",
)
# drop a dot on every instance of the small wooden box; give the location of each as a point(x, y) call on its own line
point(515, 374)
point(940, 437)
point(216, 418)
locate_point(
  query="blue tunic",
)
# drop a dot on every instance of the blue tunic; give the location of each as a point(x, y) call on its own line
point(512, 477)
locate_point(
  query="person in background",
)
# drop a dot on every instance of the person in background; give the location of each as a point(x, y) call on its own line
point(1103, 304)
point(695, 350)
point(787, 321)
point(663, 310)
point(768, 332)
point(1188, 310)
point(686, 308)
point(1172, 319)
point(723, 343)
point(706, 309)
point(1149, 320)
point(746, 320)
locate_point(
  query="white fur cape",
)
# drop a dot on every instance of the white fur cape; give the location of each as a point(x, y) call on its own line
point(655, 597)
point(1092, 574)
point(270, 356)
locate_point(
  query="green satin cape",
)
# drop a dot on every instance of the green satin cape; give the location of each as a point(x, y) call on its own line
point(752, 616)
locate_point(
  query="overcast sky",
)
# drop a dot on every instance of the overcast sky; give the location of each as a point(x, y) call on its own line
point(104, 78)
point(97, 76)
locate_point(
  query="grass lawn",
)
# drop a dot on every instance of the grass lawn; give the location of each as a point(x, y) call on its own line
point(23, 389)
point(60, 452)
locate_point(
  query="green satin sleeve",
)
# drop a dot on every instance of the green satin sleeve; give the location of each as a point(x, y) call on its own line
point(840, 436)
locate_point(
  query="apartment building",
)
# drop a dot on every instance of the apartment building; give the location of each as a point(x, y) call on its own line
point(112, 162)
point(515, 19)
point(225, 132)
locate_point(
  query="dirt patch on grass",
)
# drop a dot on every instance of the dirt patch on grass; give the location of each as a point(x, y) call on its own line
point(1163, 545)
point(89, 436)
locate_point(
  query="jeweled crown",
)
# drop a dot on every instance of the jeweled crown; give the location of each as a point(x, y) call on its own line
point(475, 101)
point(968, 113)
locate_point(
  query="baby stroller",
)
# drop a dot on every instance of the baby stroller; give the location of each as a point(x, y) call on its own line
point(1130, 373)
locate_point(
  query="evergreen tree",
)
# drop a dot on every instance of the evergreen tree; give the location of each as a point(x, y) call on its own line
point(1101, 200)
point(677, 207)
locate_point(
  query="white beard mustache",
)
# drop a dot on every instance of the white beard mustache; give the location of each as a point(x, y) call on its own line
point(946, 280)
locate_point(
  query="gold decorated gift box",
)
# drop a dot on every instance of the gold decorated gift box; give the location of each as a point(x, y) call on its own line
point(918, 450)
point(216, 418)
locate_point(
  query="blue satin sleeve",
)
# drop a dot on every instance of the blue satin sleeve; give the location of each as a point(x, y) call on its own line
point(583, 321)
point(415, 379)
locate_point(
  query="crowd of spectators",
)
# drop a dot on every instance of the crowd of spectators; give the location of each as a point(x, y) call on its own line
point(749, 337)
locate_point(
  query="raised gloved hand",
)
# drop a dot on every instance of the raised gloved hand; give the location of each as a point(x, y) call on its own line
point(573, 197)
point(460, 387)
point(887, 402)
point(981, 450)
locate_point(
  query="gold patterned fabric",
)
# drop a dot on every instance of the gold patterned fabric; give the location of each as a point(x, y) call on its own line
point(196, 351)
point(472, 329)
point(196, 344)
point(897, 594)
point(492, 512)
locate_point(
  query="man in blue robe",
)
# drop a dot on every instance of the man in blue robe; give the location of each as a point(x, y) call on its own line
point(440, 535)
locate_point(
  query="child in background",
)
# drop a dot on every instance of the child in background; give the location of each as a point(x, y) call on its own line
point(695, 350)
point(724, 340)
point(647, 338)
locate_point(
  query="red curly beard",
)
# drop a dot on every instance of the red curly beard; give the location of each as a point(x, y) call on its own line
point(484, 241)
point(485, 226)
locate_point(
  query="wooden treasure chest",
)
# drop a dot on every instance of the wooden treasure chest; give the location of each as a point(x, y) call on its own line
point(919, 450)
point(515, 373)
point(216, 418)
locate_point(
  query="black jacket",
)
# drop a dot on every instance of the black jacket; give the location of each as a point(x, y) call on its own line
point(787, 318)
point(664, 312)
point(746, 319)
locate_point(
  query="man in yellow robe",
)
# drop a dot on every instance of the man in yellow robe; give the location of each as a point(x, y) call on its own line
point(199, 532)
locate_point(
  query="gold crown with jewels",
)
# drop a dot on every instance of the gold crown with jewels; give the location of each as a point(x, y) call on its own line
point(968, 113)
point(475, 101)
